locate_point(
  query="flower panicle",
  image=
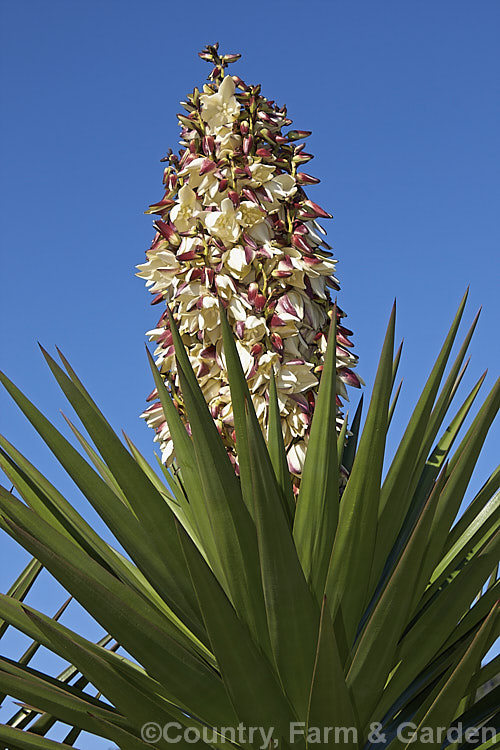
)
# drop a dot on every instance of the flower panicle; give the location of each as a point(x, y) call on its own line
point(236, 228)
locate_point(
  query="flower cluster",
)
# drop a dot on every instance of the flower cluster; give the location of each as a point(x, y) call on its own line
point(237, 229)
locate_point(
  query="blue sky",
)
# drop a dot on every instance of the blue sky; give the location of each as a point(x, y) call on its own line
point(402, 99)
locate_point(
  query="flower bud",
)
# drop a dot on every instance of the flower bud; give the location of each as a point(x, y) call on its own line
point(306, 179)
point(277, 341)
point(297, 135)
point(260, 302)
point(247, 144)
point(208, 144)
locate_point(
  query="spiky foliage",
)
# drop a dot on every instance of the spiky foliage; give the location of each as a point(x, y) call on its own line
point(237, 226)
point(236, 605)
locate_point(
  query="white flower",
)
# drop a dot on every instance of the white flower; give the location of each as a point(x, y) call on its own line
point(223, 223)
point(206, 184)
point(279, 189)
point(295, 378)
point(236, 262)
point(220, 108)
point(296, 457)
point(255, 329)
point(261, 173)
point(185, 210)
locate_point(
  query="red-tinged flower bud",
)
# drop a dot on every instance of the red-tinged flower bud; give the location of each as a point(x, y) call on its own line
point(214, 411)
point(157, 299)
point(280, 139)
point(164, 229)
point(306, 179)
point(249, 254)
point(260, 302)
point(216, 72)
point(278, 224)
point(277, 341)
point(207, 166)
point(240, 328)
point(247, 144)
point(235, 198)
point(161, 207)
point(209, 352)
point(268, 136)
point(302, 158)
point(300, 243)
point(190, 255)
point(263, 195)
point(343, 340)
point(253, 289)
point(256, 350)
point(244, 127)
point(152, 395)
point(250, 195)
point(297, 135)
point(238, 82)
point(264, 153)
point(223, 185)
point(231, 57)
point(194, 274)
point(312, 260)
point(350, 378)
point(276, 321)
point(320, 212)
point(240, 172)
point(208, 144)
point(284, 305)
point(299, 228)
point(203, 370)
point(338, 402)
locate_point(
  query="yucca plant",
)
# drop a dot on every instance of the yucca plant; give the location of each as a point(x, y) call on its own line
point(240, 612)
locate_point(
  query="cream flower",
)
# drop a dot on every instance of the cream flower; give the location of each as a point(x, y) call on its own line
point(220, 108)
point(202, 178)
point(185, 210)
point(223, 224)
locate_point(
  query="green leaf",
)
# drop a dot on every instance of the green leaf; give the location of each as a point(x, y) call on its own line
point(396, 495)
point(442, 709)
point(317, 511)
point(21, 586)
point(292, 613)
point(329, 702)
point(136, 533)
point(277, 453)
point(258, 701)
point(374, 655)
point(351, 559)
point(138, 627)
point(352, 440)
point(429, 633)
point(237, 557)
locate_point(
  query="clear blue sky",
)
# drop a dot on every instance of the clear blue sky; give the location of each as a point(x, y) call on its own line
point(402, 99)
